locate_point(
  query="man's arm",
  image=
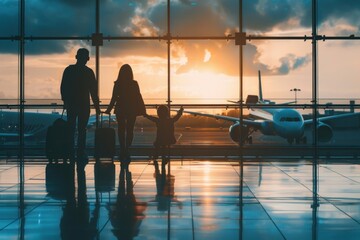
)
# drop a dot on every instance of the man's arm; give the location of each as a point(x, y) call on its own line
point(64, 87)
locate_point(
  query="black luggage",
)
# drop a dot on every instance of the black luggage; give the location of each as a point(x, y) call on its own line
point(59, 181)
point(104, 141)
point(57, 144)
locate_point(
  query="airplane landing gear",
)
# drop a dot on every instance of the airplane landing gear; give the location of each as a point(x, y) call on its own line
point(300, 140)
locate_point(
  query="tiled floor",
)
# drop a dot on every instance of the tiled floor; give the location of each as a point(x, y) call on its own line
point(199, 199)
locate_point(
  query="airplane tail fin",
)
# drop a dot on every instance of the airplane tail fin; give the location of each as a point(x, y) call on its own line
point(260, 88)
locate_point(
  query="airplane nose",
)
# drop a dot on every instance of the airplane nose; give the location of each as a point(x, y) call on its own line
point(292, 130)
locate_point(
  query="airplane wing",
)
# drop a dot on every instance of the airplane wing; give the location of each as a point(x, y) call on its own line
point(285, 103)
point(15, 135)
point(326, 118)
point(250, 123)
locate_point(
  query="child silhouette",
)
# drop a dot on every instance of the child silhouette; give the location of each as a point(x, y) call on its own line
point(165, 127)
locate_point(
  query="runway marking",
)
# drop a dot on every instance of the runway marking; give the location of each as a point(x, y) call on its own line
point(177, 140)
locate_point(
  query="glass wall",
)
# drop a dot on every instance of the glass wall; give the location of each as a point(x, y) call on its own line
point(294, 69)
point(59, 19)
point(133, 18)
point(187, 53)
point(204, 72)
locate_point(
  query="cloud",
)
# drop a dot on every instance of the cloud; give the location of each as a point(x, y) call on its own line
point(348, 10)
point(291, 62)
point(188, 17)
point(148, 18)
point(263, 15)
point(206, 18)
point(143, 48)
point(225, 59)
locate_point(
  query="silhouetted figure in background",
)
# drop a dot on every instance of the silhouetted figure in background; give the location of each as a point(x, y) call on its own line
point(126, 214)
point(165, 128)
point(78, 83)
point(76, 222)
point(129, 104)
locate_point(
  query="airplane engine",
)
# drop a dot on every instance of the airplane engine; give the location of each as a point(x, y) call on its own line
point(325, 132)
point(234, 131)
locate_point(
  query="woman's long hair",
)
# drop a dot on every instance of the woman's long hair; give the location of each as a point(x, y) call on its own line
point(125, 74)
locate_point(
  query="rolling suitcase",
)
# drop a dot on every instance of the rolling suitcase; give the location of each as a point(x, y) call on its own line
point(57, 144)
point(104, 142)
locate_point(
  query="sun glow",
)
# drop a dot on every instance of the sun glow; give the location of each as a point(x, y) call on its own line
point(207, 55)
point(206, 86)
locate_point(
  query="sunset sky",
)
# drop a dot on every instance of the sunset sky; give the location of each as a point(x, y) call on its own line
point(202, 71)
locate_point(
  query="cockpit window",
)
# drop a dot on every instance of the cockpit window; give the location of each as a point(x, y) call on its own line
point(289, 119)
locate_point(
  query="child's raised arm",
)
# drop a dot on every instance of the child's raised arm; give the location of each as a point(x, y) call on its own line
point(179, 113)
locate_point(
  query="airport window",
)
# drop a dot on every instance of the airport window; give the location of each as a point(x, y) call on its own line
point(197, 67)
point(277, 18)
point(338, 85)
point(133, 18)
point(147, 59)
point(9, 13)
point(9, 84)
point(235, 66)
point(59, 19)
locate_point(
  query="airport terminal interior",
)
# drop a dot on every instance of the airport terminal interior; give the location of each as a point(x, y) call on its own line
point(267, 145)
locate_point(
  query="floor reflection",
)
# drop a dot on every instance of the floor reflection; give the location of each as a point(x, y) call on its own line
point(126, 214)
point(165, 186)
point(76, 221)
point(177, 199)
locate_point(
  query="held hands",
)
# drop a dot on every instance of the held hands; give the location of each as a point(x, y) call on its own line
point(107, 111)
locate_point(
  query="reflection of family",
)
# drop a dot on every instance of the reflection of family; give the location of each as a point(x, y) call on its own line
point(79, 83)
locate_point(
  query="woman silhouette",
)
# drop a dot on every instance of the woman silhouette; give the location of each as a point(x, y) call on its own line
point(128, 105)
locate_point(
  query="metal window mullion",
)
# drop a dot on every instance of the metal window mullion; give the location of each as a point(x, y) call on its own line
point(315, 176)
point(97, 52)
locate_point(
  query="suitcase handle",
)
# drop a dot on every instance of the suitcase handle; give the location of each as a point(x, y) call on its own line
point(101, 118)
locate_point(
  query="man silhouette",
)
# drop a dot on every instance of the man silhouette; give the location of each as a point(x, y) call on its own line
point(78, 83)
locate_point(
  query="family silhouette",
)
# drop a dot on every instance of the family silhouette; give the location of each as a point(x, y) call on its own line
point(77, 86)
point(79, 83)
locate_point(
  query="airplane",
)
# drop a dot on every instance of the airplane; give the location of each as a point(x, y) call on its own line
point(35, 125)
point(287, 123)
